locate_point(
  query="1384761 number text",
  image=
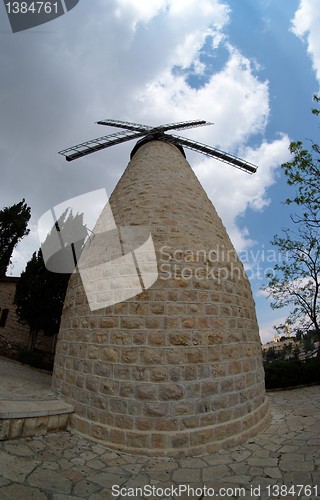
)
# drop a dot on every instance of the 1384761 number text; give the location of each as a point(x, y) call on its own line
point(32, 8)
point(295, 490)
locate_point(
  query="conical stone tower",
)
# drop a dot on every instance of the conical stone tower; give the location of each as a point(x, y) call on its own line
point(177, 369)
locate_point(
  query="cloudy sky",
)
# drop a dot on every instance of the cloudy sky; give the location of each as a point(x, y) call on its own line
point(249, 66)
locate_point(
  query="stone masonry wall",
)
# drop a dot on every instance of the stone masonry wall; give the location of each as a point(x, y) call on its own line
point(14, 335)
point(177, 369)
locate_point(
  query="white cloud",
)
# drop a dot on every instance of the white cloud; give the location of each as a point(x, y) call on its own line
point(138, 11)
point(306, 25)
point(118, 60)
point(181, 26)
point(233, 191)
point(234, 98)
point(267, 330)
point(238, 102)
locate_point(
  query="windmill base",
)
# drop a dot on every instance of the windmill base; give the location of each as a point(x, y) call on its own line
point(193, 442)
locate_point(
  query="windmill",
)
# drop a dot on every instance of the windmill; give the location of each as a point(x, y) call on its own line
point(159, 349)
point(135, 131)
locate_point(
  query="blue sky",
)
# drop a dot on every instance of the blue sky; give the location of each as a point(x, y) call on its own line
point(249, 66)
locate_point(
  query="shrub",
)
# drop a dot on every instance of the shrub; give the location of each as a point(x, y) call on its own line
point(291, 373)
point(34, 359)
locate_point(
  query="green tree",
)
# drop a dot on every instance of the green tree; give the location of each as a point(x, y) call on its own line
point(40, 293)
point(13, 227)
point(295, 281)
point(303, 173)
point(308, 343)
point(39, 298)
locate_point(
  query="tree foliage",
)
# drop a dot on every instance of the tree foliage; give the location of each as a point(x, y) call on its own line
point(295, 281)
point(303, 173)
point(39, 298)
point(13, 227)
point(40, 293)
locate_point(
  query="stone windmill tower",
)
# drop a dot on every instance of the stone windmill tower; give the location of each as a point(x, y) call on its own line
point(173, 366)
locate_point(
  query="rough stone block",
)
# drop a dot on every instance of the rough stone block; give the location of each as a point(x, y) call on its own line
point(4, 429)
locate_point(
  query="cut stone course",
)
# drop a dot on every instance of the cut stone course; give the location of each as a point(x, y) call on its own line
point(177, 369)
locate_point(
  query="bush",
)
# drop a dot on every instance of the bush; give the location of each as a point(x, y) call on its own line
point(34, 359)
point(291, 373)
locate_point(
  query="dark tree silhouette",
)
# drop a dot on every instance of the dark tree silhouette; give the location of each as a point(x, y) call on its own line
point(40, 293)
point(13, 227)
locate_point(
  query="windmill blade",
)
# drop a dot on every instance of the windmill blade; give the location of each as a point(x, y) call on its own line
point(136, 130)
point(233, 160)
point(107, 141)
point(153, 130)
point(94, 145)
point(127, 125)
point(181, 125)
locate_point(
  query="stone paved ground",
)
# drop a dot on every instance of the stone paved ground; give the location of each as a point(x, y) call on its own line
point(23, 383)
point(63, 466)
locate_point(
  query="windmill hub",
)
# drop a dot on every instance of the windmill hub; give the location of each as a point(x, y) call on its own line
point(158, 136)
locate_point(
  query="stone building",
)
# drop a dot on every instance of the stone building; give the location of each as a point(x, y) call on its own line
point(177, 369)
point(13, 335)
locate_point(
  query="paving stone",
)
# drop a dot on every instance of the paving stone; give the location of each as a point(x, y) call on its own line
point(263, 462)
point(18, 448)
point(101, 495)
point(215, 471)
point(192, 463)
point(256, 471)
point(84, 488)
point(216, 459)
point(289, 448)
point(37, 445)
point(273, 472)
point(239, 480)
point(161, 475)
point(16, 468)
point(50, 465)
point(107, 479)
point(52, 480)
point(96, 464)
point(61, 496)
point(88, 455)
point(162, 465)
point(272, 446)
point(298, 477)
point(240, 467)
point(186, 476)
point(136, 481)
point(73, 475)
point(293, 465)
point(21, 492)
point(78, 461)
point(241, 455)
